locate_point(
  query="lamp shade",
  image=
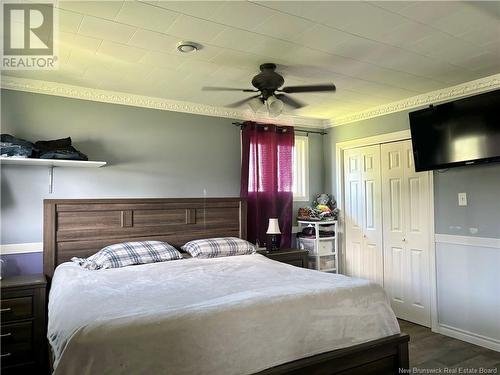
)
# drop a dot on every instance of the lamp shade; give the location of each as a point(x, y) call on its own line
point(275, 106)
point(256, 104)
point(273, 227)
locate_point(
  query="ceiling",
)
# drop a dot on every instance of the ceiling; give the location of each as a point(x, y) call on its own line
point(374, 52)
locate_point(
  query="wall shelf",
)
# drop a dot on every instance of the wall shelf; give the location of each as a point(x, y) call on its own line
point(320, 222)
point(50, 164)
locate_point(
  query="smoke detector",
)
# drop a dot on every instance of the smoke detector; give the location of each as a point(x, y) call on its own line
point(188, 47)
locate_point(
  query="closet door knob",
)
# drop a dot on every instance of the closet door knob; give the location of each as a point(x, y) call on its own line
point(404, 239)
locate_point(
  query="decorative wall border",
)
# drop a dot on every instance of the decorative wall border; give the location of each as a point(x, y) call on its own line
point(433, 97)
point(78, 92)
point(114, 97)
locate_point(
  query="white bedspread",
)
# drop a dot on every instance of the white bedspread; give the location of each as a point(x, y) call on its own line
point(233, 315)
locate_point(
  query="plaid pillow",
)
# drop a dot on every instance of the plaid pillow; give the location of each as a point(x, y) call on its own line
point(129, 253)
point(218, 247)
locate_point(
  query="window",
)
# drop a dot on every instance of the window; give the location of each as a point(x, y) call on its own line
point(301, 169)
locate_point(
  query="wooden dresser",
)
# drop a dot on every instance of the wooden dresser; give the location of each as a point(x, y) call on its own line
point(23, 325)
point(295, 257)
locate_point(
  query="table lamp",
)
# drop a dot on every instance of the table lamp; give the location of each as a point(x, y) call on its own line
point(273, 235)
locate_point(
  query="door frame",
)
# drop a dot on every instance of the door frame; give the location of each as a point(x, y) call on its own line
point(339, 174)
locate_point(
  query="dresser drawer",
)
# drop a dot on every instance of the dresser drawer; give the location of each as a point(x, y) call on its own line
point(16, 333)
point(23, 325)
point(16, 308)
point(16, 354)
point(294, 257)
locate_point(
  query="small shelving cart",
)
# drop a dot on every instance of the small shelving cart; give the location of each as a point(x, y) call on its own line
point(323, 251)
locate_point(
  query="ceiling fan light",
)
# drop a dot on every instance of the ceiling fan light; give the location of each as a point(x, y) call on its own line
point(256, 104)
point(274, 106)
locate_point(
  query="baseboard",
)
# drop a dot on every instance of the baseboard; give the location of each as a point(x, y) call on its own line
point(460, 334)
point(21, 248)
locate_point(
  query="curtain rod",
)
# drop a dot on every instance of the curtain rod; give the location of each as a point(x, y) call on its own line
point(240, 124)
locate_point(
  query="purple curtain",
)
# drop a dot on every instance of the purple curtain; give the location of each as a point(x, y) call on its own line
point(266, 179)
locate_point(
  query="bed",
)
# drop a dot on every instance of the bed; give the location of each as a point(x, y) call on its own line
point(233, 315)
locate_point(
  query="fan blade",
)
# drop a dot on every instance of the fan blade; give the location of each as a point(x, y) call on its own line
point(240, 102)
point(216, 88)
point(311, 88)
point(290, 101)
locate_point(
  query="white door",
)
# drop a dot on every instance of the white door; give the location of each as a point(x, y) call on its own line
point(363, 216)
point(405, 196)
point(353, 212)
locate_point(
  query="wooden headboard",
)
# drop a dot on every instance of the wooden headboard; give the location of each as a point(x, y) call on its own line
point(81, 227)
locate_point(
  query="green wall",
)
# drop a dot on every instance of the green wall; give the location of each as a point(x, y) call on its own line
point(480, 182)
point(150, 153)
point(153, 153)
point(361, 129)
point(316, 170)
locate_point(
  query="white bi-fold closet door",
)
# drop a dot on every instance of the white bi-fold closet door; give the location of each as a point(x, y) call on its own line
point(363, 213)
point(405, 197)
point(387, 225)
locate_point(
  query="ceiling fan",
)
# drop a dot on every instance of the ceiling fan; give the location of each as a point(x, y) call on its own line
point(268, 84)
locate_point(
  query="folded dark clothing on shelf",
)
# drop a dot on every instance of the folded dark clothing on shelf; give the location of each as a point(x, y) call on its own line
point(59, 149)
point(67, 154)
point(309, 231)
point(55, 144)
point(16, 147)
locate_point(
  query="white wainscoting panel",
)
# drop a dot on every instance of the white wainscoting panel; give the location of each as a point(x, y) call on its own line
point(468, 289)
point(21, 248)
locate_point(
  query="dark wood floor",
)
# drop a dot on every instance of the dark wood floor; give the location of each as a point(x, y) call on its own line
point(431, 350)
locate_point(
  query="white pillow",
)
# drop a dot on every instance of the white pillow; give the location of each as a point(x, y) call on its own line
point(218, 247)
point(129, 253)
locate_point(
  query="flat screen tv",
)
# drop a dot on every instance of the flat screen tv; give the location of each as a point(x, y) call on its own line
point(463, 132)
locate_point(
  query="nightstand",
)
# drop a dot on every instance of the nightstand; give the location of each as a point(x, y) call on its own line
point(23, 325)
point(295, 257)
